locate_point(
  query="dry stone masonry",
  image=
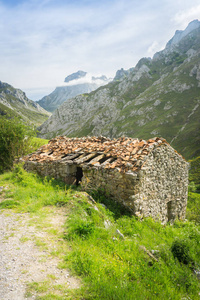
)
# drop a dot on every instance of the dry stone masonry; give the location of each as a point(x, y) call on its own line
point(148, 177)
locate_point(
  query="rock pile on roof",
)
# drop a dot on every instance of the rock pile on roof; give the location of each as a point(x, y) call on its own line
point(122, 153)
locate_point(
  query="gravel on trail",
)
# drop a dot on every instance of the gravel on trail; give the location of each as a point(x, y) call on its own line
point(22, 261)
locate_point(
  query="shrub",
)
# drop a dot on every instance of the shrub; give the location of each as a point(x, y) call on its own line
point(83, 229)
point(14, 141)
point(180, 250)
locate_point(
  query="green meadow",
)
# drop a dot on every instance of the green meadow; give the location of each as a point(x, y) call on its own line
point(115, 255)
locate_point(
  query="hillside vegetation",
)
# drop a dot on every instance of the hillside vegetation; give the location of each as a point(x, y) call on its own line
point(116, 255)
point(16, 139)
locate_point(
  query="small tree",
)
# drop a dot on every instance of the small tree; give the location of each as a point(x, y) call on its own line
point(14, 141)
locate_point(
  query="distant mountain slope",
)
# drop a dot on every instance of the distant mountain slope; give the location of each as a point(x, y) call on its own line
point(15, 103)
point(76, 84)
point(159, 96)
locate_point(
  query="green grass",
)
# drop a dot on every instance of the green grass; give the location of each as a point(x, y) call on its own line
point(59, 292)
point(30, 192)
point(193, 211)
point(37, 143)
point(109, 266)
point(195, 170)
point(115, 268)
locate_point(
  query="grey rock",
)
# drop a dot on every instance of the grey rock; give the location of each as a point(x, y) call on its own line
point(197, 273)
point(180, 34)
point(119, 234)
point(77, 75)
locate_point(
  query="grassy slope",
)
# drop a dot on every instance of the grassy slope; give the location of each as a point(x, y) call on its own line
point(5, 110)
point(36, 143)
point(27, 113)
point(110, 267)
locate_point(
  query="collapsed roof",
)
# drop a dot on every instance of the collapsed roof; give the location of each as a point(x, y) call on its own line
point(123, 153)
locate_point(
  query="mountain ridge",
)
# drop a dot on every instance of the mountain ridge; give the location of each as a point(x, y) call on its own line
point(14, 102)
point(159, 96)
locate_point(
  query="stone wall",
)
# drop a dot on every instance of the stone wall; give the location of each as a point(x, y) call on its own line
point(158, 190)
point(163, 186)
point(54, 169)
point(118, 186)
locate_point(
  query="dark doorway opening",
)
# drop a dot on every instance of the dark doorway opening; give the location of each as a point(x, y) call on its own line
point(79, 175)
point(171, 211)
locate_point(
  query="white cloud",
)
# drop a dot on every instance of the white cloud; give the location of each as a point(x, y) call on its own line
point(153, 48)
point(184, 16)
point(88, 78)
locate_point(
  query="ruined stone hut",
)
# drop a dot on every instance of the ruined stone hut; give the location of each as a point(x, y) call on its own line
point(148, 177)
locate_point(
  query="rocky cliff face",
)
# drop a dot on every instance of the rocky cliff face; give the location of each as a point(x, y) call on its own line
point(14, 102)
point(180, 34)
point(77, 83)
point(159, 96)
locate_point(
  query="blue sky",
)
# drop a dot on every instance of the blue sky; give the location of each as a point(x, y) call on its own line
point(43, 41)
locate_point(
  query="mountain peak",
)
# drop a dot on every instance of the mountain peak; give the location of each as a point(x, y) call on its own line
point(76, 75)
point(179, 34)
point(193, 25)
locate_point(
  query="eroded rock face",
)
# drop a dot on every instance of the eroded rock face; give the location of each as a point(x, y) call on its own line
point(180, 34)
point(196, 71)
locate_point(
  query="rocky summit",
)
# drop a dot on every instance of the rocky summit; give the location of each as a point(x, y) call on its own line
point(158, 97)
point(77, 75)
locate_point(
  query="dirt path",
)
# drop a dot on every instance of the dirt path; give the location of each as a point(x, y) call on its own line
point(30, 254)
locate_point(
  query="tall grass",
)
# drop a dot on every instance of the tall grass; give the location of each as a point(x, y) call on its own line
point(28, 192)
point(119, 268)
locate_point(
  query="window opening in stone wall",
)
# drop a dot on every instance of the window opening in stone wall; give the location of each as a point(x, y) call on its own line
point(79, 175)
